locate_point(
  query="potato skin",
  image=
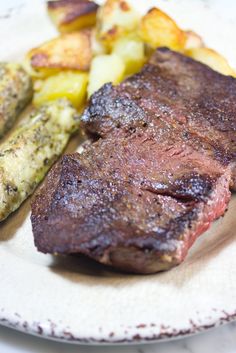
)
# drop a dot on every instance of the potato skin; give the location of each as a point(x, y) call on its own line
point(15, 92)
point(72, 15)
point(70, 51)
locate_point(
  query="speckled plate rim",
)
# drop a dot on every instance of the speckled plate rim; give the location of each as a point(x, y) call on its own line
point(63, 335)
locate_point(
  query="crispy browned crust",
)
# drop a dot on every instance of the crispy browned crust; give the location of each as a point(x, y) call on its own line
point(159, 175)
point(70, 51)
point(73, 9)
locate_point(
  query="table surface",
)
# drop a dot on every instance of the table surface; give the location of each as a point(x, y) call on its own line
point(218, 340)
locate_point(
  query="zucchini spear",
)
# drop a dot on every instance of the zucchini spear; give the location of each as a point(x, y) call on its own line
point(15, 92)
point(29, 152)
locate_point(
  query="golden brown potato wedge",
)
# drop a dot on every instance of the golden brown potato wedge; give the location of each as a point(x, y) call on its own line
point(71, 51)
point(158, 29)
point(116, 18)
point(213, 59)
point(72, 15)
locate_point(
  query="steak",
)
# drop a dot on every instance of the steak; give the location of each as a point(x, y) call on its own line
point(158, 174)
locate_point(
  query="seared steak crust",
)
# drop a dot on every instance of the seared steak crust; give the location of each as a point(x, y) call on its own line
point(156, 178)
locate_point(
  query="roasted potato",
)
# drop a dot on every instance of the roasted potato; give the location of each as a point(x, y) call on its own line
point(213, 59)
point(131, 50)
point(72, 15)
point(97, 46)
point(71, 51)
point(115, 19)
point(193, 40)
point(68, 84)
point(158, 29)
point(105, 68)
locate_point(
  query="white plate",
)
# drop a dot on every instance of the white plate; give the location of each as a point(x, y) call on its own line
point(77, 300)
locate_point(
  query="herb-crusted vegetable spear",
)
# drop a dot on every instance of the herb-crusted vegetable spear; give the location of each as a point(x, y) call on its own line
point(15, 92)
point(32, 148)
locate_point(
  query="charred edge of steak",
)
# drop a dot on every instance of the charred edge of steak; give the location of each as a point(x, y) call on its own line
point(118, 110)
